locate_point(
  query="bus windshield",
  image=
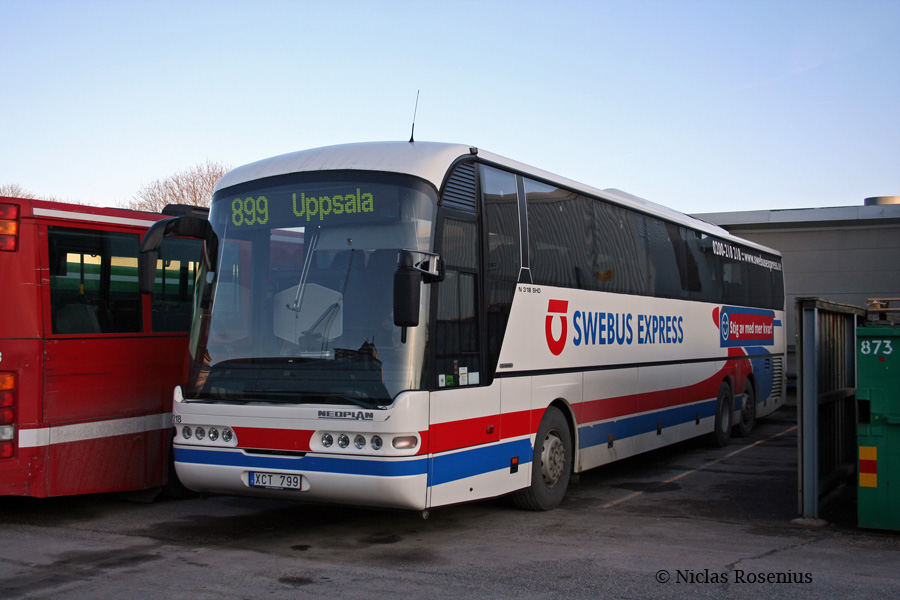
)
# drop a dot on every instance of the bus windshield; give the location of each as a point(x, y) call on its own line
point(300, 307)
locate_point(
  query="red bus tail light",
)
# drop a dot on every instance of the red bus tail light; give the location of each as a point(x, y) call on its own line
point(7, 414)
point(7, 388)
point(7, 399)
point(9, 227)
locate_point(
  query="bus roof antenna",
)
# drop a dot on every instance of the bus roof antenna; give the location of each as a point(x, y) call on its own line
point(412, 134)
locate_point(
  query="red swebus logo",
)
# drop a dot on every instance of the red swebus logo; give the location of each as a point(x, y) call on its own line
point(560, 307)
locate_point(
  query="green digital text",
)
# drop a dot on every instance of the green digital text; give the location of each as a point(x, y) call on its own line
point(310, 207)
point(250, 211)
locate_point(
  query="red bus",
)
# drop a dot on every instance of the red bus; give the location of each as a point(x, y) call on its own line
point(87, 364)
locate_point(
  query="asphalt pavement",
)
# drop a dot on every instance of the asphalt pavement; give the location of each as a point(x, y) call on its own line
point(683, 522)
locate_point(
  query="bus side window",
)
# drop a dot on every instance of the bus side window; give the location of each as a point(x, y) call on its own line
point(560, 237)
point(620, 263)
point(503, 262)
point(173, 292)
point(457, 328)
point(96, 291)
point(666, 273)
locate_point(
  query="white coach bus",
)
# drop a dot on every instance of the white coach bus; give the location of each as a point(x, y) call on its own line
point(412, 325)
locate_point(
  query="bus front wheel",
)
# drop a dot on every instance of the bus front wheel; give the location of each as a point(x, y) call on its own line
point(551, 465)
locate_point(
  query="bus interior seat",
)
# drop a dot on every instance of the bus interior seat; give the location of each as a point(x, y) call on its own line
point(77, 318)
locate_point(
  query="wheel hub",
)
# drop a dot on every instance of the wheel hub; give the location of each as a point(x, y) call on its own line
point(553, 459)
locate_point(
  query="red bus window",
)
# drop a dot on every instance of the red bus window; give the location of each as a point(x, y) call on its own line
point(93, 281)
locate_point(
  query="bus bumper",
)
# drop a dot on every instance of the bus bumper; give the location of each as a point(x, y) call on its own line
point(380, 482)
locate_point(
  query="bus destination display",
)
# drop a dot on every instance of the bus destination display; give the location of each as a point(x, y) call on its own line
point(293, 207)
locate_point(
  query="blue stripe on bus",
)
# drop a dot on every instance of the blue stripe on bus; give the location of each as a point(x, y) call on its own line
point(446, 467)
point(321, 464)
point(477, 461)
point(595, 435)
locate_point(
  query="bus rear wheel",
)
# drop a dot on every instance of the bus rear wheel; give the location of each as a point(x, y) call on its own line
point(551, 465)
point(721, 435)
point(748, 412)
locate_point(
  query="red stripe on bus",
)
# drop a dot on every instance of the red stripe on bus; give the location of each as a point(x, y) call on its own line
point(621, 406)
point(611, 408)
point(296, 440)
point(454, 435)
point(465, 433)
point(519, 423)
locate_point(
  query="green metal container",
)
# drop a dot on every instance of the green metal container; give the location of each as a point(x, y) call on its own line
point(878, 426)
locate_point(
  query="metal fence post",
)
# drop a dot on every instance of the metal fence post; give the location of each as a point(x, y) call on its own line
point(825, 409)
point(809, 413)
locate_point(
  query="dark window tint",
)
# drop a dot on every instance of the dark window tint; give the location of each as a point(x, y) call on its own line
point(560, 237)
point(93, 281)
point(620, 254)
point(698, 247)
point(503, 255)
point(456, 343)
point(586, 243)
point(176, 272)
point(665, 276)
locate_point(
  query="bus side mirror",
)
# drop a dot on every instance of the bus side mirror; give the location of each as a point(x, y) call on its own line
point(407, 292)
point(147, 270)
point(183, 226)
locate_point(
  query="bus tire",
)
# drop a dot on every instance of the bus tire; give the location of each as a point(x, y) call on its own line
point(551, 466)
point(721, 434)
point(748, 412)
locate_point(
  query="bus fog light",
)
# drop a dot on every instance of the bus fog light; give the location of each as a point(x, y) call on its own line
point(7, 433)
point(213, 434)
point(376, 442)
point(327, 440)
point(227, 435)
point(343, 440)
point(360, 442)
point(405, 442)
point(200, 433)
point(186, 432)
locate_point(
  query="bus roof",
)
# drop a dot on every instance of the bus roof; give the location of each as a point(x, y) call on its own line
point(48, 209)
point(431, 161)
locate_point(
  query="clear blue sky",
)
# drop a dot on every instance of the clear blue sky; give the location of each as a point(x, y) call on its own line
point(700, 105)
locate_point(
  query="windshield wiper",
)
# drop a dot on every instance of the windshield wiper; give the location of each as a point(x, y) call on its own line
point(343, 398)
point(329, 313)
point(313, 242)
point(267, 360)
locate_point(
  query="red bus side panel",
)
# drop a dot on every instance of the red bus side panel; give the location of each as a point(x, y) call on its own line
point(107, 405)
point(110, 377)
point(20, 298)
point(21, 348)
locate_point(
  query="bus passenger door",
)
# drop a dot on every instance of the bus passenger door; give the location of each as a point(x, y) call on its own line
point(464, 415)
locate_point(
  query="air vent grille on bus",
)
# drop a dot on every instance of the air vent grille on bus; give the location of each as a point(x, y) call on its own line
point(777, 376)
point(459, 193)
